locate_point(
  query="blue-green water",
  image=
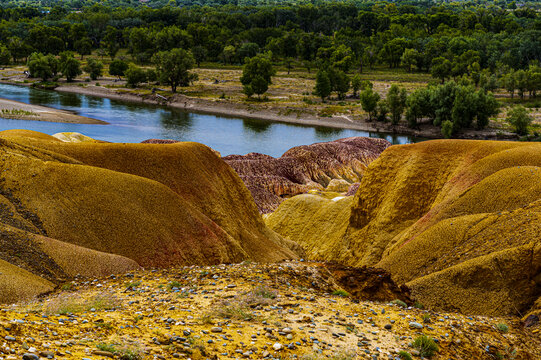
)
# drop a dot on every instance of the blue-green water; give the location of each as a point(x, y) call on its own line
point(132, 122)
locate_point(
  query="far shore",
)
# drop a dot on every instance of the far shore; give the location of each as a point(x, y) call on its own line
point(11, 109)
point(259, 111)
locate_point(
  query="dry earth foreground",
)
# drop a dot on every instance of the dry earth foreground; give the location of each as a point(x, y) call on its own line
point(443, 236)
point(96, 208)
point(247, 311)
point(332, 166)
point(458, 222)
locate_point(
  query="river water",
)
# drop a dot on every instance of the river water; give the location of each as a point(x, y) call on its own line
point(132, 122)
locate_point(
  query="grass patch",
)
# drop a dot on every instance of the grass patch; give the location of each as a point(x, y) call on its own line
point(72, 304)
point(400, 303)
point(240, 307)
point(426, 346)
point(340, 292)
point(343, 355)
point(404, 355)
point(17, 112)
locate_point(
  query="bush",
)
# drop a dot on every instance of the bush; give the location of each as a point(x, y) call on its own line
point(502, 327)
point(341, 292)
point(426, 346)
point(447, 129)
point(519, 118)
point(94, 68)
point(135, 75)
point(404, 355)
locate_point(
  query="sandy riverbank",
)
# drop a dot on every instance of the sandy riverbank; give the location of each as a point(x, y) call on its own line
point(262, 111)
point(11, 109)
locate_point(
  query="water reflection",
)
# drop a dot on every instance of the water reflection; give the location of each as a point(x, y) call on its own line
point(256, 126)
point(70, 100)
point(326, 133)
point(176, 120)
point(135, 122)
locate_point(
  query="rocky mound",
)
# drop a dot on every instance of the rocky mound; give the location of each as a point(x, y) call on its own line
point(69, 206)
point(307, 167)
point(459, 222)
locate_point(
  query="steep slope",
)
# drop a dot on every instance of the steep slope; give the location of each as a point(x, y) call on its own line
point(158, 205)
point(306, 167)
point(436, 213)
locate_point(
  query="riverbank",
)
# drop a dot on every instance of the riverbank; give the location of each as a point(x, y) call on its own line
point(266, 112)
point(10, 109)
point(204, 97)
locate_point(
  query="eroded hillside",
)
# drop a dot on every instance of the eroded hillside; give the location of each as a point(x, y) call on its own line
point(332, 166)
point(95, 209)
point(458, 221)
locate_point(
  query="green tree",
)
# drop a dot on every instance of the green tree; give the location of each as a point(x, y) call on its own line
point(409, 58)
point(5, 55)
point(419, 106)
point(323, 85)
point(356, 83)
point(441, 68)
point(257, 75)
point(510, 83)
point(199, 54)
point(70, 67)
point(83, 47)
point(519, 118)
point(94, 68)
point(340, 82)
point(39, 67)
point(464, 107)
point(135, 75)
point(118, 68)
point(396, 100)
point(382, 110)
point(173, 67)
point(486, 106)
point(369, 101)
point(392, 51)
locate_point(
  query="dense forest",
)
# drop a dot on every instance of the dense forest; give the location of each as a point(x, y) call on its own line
point(492, 44)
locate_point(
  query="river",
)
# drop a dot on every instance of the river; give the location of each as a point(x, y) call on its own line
point(132, 122)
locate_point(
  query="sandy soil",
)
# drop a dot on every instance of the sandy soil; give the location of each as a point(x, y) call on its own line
point(10, 109)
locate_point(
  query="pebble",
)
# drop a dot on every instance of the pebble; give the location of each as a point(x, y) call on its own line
point(216, 329)
point(29, 356)
point(277, 346)
point(415, 325)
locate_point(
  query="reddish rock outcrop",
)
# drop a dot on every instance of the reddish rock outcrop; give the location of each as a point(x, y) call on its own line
point(303, 168)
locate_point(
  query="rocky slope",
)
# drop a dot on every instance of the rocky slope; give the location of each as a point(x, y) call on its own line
point(458, 221)
point(96, 208)
point(334, 165)
point(245, 311)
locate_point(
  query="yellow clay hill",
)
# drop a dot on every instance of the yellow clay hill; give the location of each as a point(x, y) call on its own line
point(459, 222)
point(99, 208)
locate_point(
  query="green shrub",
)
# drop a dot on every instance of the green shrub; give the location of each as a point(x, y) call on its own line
point(404, 355)
point(502, 327)
point(426, 346)
point(340, 292)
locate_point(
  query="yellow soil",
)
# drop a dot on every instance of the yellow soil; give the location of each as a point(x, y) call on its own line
point(438, 207)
